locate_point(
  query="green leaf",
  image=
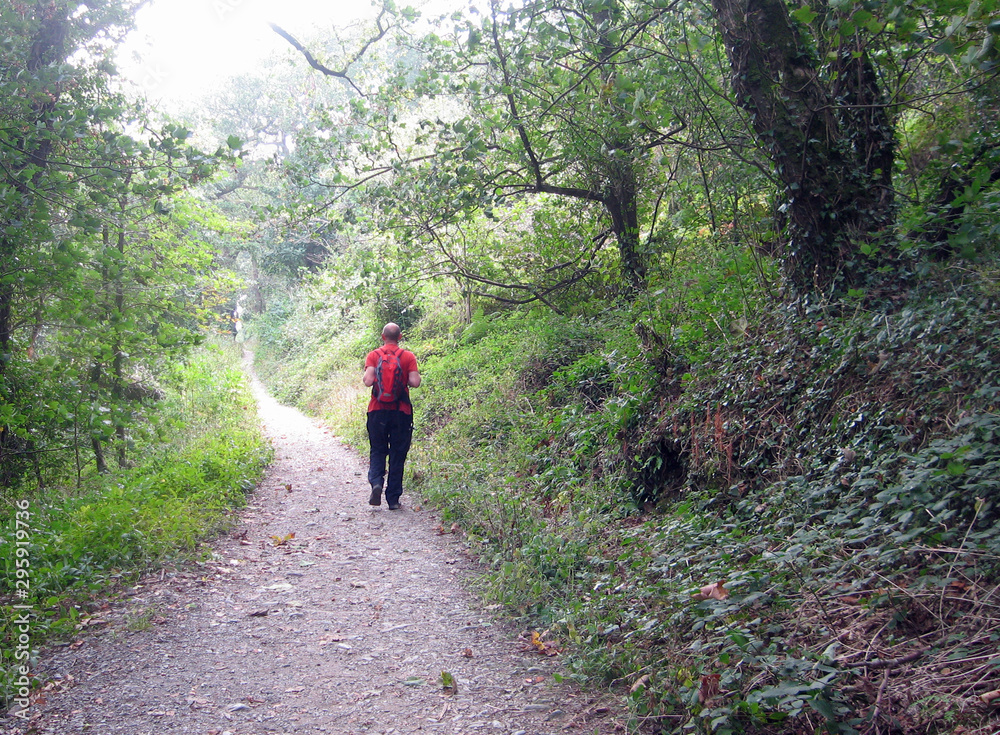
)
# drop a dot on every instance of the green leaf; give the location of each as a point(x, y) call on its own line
point(804, 15)
point(448, 681)
point(946, 47)
point(824, 707)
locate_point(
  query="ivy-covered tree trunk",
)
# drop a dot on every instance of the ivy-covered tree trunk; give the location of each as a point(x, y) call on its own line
point(828, 134)
point(622, 205)
point(622, 198)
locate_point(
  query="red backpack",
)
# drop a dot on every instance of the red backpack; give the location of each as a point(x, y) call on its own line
point(390, 380)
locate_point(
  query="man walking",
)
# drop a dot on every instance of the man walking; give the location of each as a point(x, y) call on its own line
point(390, 371)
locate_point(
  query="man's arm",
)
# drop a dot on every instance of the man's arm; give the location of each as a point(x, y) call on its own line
point(412, 380)
point(369, 377)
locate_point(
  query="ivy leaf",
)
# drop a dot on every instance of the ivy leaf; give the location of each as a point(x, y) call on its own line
point(804, 15)
point(956, 468)
point(824, 707)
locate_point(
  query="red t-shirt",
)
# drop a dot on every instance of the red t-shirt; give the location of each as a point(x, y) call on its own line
point(409, 363)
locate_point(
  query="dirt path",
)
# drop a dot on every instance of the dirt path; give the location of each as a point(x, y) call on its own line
point(345, 628)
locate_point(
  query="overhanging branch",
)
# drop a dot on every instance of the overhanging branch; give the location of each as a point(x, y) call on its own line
point(315, 64)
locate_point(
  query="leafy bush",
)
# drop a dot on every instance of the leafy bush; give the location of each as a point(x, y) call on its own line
point(210, 452)
point(739, 513)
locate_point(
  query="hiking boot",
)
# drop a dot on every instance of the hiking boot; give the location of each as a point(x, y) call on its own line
point(394, 505)
point(376, 496)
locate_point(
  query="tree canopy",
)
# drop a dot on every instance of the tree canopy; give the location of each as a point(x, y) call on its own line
point(619, 106)
point(98, 256)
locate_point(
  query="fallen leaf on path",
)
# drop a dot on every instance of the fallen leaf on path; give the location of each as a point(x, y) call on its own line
point(448, 683)
point(282, 540)
point(467, 653)
point(544, 647)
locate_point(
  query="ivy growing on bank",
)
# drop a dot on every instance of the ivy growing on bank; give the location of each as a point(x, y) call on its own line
point(830, 470)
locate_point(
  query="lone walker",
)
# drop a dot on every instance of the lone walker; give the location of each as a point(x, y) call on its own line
point(390, 371)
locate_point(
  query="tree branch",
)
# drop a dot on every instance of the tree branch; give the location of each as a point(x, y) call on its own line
point(312, 59)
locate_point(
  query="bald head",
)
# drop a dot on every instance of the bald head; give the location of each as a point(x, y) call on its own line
point(391, 332)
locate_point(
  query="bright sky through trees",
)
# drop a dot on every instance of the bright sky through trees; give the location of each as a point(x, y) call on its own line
point(181, 48)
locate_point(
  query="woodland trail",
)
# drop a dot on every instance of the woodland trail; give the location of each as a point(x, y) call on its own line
point(344, 628)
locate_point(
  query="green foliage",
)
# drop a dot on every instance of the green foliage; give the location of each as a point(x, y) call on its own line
point(206, 453)
point(834, 465)
point(99, 256)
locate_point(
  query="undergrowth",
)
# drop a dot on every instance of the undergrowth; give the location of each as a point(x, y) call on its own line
point(202, 454)
point(782, 519)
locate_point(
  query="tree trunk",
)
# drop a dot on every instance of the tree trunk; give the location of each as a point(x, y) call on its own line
point(831, 142)
point(117, 348)
point(95, 379)
point(622, 199)
point(102, 465)
point(257, 293)
point(622, 205)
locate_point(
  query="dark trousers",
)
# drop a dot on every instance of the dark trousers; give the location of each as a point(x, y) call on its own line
point(389, 433)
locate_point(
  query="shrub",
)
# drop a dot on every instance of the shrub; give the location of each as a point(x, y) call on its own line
point(210, 452)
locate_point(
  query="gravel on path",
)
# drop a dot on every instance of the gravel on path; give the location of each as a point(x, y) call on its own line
point(345, 627)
